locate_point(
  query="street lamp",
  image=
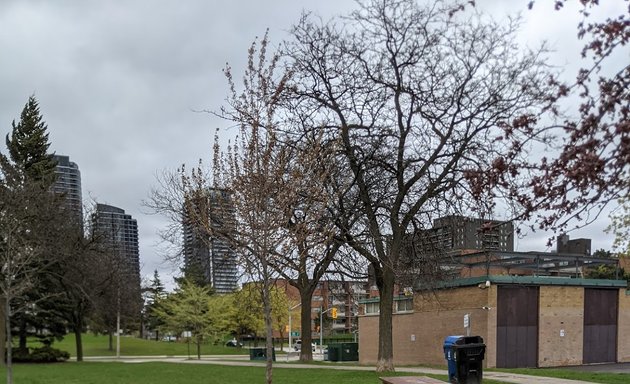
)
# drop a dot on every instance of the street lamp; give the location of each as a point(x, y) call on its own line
point(290, 325)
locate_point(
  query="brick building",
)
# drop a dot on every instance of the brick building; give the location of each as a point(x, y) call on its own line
point(525, 321)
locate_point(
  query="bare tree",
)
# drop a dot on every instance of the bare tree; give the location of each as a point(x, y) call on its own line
point(28, 218)
point(167, 199)
point(118, 302)
point(419, 98)
point(300, 170)
point(87, 274)
point(251, 173)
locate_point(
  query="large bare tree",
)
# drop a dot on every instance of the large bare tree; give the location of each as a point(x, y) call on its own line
point(299, 166)
point(419, 97)
point(29, 218)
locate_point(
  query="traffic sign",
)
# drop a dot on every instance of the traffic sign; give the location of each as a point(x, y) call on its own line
point(295, 334)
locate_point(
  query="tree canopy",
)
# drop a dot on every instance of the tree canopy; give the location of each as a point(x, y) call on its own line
point(28, 144)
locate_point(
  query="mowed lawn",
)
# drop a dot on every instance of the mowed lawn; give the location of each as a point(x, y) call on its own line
point(98, 345)
point(180, 373)
point(171, 373)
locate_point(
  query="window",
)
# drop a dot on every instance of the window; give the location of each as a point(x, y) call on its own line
point(372, 308)
point(405, 305)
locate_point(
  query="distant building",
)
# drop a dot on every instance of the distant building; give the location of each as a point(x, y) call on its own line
point(211, 256)
point(427, 254)
point(68, 182)
point(462, 233)
point(575, 246)
point(119, 233)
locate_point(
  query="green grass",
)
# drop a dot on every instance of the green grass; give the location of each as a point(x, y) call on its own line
point(182, 373)
point(169, 373)
point(595, 377)
point(131, 346)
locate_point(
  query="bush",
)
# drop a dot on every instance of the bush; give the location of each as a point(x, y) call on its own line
point(40, 355)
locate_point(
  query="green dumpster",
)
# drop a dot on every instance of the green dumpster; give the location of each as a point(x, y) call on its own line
point(349, 352)
point(334, 352)
point(260, 354)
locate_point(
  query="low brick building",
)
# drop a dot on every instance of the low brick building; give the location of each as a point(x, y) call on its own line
point(525, 321)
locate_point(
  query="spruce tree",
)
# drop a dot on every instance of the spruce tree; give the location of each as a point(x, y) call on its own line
point(156, 292)
point(33, 175)
point(28, 145)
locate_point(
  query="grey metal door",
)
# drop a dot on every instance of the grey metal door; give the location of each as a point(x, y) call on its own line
point(517, 326)
point(600, 325)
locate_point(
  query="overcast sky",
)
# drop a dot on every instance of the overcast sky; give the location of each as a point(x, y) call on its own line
point(119, 82)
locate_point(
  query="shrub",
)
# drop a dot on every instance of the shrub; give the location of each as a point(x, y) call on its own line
point(44, 354)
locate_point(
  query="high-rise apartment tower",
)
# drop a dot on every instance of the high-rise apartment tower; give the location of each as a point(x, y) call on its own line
point(68, 183)
point(206, 217)
point(119, 234)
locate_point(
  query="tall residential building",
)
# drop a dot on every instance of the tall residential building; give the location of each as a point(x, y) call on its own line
point(211, 255)
point(467, 233)
point(68, 182)
point(119, 232)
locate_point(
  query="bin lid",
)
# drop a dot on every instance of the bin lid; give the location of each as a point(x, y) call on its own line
point(452, 340)
point(462, 340)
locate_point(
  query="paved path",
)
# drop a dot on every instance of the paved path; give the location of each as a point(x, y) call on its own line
point(240, 360)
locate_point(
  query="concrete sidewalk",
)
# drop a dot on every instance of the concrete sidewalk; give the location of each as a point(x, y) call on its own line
point(240, 360)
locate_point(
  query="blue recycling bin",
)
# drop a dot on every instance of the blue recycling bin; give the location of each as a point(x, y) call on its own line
point(464, 355)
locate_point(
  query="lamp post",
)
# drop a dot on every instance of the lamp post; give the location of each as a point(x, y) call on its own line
point(290, 325)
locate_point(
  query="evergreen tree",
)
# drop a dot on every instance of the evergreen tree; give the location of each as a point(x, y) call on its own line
point(28, 145)
point(33, 168)
point(156, 292)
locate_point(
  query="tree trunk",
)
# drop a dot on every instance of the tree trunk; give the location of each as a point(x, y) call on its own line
point(198, 347)
point(22, 333)
point(268, 331)
point(157, 335)
point(281, 339)
point(7, 324)
point(3, 334)
point(78, 328)
point(385, 361)
point(306, 354)
point(111, 340)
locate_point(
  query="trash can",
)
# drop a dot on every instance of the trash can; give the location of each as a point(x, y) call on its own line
point(464, 355)
point(260, 354)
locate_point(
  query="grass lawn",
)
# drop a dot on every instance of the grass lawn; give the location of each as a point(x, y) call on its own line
point(169, 373)
point(606, 378)
point(132, 346)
